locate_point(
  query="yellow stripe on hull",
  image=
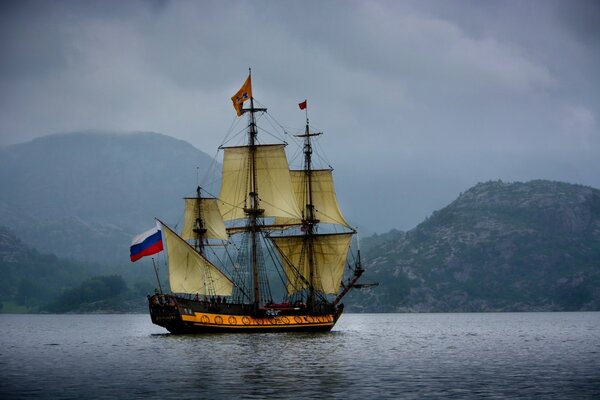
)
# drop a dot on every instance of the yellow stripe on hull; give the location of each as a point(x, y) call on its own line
point(234, 322)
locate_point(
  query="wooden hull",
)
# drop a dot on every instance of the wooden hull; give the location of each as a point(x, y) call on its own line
point(180, 315)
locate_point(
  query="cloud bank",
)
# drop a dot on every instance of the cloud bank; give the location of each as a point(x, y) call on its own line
point(418, 100)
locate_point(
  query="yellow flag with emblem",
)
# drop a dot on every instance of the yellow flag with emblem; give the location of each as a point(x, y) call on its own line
point(245, 93)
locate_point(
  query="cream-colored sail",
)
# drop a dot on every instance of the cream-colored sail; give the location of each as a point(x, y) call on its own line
point(189, 272)
point(210, 215)
point(273, 183)
point(324, 199)
point(329, 258)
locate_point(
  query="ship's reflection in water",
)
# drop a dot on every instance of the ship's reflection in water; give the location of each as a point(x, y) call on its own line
point(381, 356)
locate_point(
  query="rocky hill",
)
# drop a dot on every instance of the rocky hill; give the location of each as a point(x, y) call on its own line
point(85, 195)
point(497, 247)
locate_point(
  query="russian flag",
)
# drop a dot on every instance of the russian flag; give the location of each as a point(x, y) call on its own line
point(146, 244)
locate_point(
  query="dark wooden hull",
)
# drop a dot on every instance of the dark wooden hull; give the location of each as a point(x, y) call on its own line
point(180, 316)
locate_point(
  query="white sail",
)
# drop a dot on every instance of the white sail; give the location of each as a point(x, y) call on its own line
point(208, 211)
point(189, 271)
point(324, 199)
point(328, 257)
point(273, 182)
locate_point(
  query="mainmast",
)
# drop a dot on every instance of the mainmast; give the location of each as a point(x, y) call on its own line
point(253, 211)
point(245, 168)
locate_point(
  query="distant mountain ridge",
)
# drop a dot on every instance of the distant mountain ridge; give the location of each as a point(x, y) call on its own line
point(84, 195)
point(497, 247)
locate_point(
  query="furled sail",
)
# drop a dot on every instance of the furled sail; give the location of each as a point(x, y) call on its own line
point(324, 199)
point(273, 182)
point(190, 272)
point(212, 221)
point(329, 257)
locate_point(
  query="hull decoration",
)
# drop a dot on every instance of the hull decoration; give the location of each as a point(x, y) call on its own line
point(179, 315)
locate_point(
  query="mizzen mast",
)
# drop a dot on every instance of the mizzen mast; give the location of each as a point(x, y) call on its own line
point(309, 221)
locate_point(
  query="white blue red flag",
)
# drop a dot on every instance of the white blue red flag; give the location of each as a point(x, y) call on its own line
point(146, 244)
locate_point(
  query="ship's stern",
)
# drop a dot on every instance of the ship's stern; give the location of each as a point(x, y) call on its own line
point(164, 312)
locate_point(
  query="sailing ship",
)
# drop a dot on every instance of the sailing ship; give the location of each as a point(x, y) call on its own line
point(275, 219)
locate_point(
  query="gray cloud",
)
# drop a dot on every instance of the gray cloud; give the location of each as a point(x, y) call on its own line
point(418, 100)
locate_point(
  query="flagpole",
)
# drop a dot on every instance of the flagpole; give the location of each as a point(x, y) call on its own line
point(157, 279)
point(306, 111)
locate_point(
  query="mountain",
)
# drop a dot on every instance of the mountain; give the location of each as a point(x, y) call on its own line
point(30, 279)
point(85, 195)
point(497, 247)
point(36, 282)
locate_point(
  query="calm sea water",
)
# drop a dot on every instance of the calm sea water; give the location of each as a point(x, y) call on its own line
point(521, 355)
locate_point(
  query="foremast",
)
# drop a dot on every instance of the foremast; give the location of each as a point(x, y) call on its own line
point(198, 228)
point(190, 270)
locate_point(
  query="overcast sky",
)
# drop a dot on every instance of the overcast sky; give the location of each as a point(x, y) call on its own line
point(419, 100)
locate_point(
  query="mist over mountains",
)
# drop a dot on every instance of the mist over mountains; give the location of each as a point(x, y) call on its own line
point(84, 195)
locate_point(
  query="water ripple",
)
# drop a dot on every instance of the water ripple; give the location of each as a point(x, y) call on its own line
point(525, 355)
